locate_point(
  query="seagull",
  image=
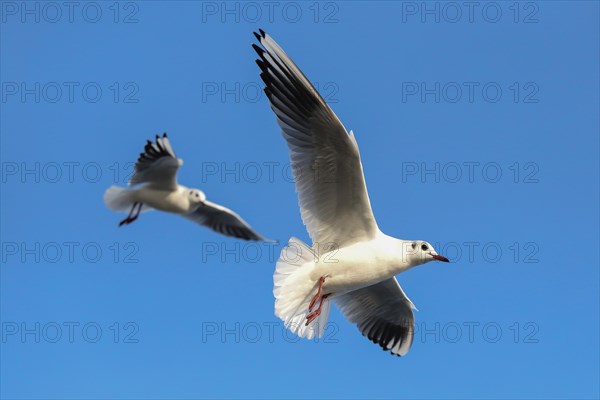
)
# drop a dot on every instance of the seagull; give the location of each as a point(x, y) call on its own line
point(156, 168)
point(351, 262)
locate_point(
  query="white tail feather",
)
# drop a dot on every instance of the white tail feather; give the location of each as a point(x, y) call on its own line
point(294, 288)
point(118, 199)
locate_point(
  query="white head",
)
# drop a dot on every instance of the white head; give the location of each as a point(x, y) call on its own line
point(196, 197)
point(420, 252)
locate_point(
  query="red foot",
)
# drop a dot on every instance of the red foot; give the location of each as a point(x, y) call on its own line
point(320, 297)
point(131, 218)
point(127, 221)
point(313, 315)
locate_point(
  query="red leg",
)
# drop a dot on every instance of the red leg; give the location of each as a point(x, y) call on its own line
point(137, 214)
point(313, 315)
point(126, 220)
point(318, 295)
point(129, 218)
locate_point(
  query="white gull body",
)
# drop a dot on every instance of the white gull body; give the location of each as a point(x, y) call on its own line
point(350, 262)
point(156, 172)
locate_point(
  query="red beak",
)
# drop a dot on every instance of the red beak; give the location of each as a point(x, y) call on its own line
point(440, 258)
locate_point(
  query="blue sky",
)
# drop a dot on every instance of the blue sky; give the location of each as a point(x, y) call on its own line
point(478, 130)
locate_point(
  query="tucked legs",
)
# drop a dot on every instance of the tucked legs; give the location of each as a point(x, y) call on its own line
point(133, 214)
point(319, 297)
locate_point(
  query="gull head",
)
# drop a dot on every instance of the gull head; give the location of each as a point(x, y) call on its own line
point(421, 252)
point(196, 197)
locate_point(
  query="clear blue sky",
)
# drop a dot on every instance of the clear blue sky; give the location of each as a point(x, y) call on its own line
point(439, 107)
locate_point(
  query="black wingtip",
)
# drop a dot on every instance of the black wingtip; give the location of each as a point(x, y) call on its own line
point(148, 142)
point(258, 49)
point(258, 238)
point(262, 32)
point(157, 137)
point(164, 134)
point(263, 75)
point(257, 36)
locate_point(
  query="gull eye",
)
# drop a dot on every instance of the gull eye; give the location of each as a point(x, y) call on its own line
point(424, 247)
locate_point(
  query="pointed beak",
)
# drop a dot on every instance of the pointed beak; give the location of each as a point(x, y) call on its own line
point(439, 258)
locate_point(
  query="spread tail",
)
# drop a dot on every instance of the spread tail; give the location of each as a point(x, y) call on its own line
point(294, 289)
point(118, 199)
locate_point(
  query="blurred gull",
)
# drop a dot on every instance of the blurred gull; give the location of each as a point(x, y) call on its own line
point(157, 169)
point(358, 267)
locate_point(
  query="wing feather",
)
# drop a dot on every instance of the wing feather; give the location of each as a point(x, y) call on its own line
point(382, 313)
point(157, 165)
point(332, 193)
point(224, 221)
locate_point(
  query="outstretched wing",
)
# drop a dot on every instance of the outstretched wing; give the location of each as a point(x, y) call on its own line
point(382, 313)
point(331, 188)
point(223, 220)
point(157, 165)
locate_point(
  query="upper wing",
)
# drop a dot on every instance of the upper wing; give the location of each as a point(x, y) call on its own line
point(157, 165)
point(331, 188)
point(224, 221)
point(383, 313)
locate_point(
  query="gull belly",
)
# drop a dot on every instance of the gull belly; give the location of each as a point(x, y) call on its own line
point(360, 264)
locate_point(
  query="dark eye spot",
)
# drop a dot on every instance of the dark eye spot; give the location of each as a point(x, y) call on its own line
point(414, 245)
point(424, 247)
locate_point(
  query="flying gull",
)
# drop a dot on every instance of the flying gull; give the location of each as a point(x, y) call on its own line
point(358, 267)
point(156, 169)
